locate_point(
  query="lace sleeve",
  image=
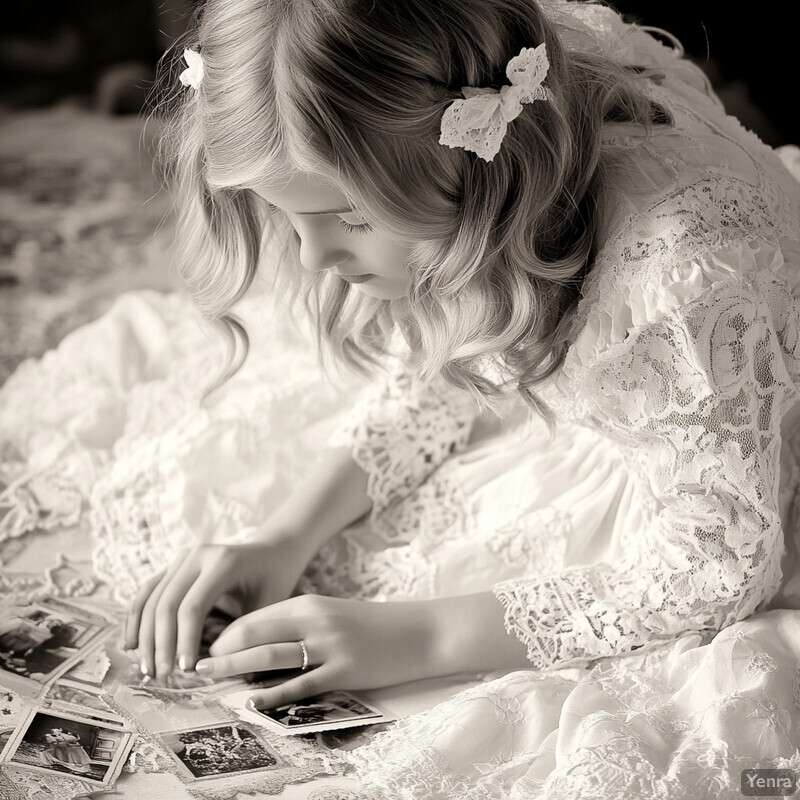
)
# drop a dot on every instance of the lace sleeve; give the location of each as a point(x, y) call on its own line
point(696, 399)
point(399, 430)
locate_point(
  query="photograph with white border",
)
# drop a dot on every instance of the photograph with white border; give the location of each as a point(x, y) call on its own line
point(321, 712)
point(70, 745)
point(220, 750)
point(41, 639)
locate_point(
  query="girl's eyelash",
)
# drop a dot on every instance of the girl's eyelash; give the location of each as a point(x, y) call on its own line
point(348, 227)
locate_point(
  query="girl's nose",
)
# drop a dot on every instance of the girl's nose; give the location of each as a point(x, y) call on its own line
point(319, 251)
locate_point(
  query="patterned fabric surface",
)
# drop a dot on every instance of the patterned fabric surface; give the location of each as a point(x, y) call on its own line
point(82, 219)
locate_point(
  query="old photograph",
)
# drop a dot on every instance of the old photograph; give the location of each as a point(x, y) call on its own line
point(321, 711)
point(71, 745)
point(217, 750)
point(40, 640)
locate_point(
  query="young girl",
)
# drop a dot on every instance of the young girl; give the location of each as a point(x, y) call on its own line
point(583, 278)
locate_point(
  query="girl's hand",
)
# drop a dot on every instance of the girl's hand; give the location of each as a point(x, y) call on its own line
point(167, 616)
point(351, 644)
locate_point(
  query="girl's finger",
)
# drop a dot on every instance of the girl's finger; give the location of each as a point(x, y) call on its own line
point(286, 655)
point(166, 616)
point(308, 684)
point(257, 628)
point(147, 625)
point(193, 610)
point(134, 618)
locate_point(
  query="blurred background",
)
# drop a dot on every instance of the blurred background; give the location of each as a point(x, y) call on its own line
point(82, 213)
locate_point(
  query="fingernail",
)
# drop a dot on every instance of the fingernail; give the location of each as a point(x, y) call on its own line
point(204, 668)
point(251, 706)
point(143, 669)
point(185, 663)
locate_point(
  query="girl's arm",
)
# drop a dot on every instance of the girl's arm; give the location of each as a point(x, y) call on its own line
point(355, 644)
point(696, 395)
point(332, 497)
point(397, 432)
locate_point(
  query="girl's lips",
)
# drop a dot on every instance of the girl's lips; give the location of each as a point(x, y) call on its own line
point(357, 278)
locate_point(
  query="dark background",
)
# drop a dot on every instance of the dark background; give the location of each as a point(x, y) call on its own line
point(750, 52)
point(100, 52)
point(103, 52)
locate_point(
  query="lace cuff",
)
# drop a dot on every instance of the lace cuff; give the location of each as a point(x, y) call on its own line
point(696, 400)
point(400, 430)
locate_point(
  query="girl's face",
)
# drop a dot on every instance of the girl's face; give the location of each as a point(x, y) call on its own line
point(333, 237)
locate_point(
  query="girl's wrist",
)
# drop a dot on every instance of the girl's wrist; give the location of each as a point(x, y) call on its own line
point(469, 635)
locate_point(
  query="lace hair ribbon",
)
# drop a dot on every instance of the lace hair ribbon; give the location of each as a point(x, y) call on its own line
point(480, 121)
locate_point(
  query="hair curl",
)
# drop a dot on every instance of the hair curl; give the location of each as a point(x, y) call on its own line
point(354, 91)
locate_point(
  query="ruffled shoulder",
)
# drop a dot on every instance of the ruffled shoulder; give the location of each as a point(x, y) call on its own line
point(611, 318)
point(719, 229)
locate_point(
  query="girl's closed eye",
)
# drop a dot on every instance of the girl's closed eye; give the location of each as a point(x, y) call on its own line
point(346, 225)
point(355, 227)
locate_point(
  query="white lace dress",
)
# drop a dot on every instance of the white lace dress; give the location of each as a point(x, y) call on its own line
point(655, 519)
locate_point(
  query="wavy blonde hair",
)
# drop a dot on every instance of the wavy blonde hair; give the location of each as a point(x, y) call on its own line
point(354, 91)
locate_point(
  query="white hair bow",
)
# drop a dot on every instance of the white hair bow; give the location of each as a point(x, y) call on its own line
point(479, 122)
point(193, 74)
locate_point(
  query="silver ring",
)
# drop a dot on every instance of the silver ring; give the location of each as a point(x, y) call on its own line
point(304, 651)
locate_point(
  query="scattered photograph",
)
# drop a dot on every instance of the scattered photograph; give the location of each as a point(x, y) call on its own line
point(320, 711)
point(89, 672)
point(68, 744)
point(66, 694)
point(40, 640)
point(219, 750)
